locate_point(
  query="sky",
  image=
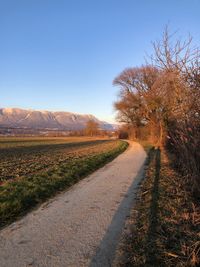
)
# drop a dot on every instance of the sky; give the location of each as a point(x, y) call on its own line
point(62, 55)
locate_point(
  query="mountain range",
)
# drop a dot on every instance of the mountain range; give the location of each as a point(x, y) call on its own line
point(60, 120)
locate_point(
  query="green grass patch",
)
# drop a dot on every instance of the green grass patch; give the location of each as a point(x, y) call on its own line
point(18, 196)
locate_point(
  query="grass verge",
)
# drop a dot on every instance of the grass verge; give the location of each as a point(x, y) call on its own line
point(17, 197)
point(164, 226)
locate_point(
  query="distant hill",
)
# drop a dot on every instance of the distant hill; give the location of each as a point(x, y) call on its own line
point(20, 118)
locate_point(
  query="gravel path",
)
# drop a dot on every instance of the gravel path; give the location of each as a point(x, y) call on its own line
point(81, 226)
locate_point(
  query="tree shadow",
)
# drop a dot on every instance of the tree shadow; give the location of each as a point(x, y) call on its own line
point(151, 245)
point(105, 253)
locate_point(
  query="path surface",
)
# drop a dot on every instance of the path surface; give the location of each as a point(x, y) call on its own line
point(81, 226)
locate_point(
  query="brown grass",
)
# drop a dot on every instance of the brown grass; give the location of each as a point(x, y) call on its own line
point(164, 226)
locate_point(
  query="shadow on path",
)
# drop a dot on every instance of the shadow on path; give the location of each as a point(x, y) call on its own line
point(151, 245)
point(105, 253)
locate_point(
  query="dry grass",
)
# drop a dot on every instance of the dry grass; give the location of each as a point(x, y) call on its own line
point(164, 226)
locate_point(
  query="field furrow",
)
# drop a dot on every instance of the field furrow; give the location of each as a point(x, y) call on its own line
point(31, 173)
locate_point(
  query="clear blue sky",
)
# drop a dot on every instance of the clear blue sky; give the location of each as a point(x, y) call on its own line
point(64, 54)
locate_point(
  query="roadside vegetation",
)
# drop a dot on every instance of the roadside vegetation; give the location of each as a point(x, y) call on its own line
point(164, 225)
point(32, 174)
point(160, 103)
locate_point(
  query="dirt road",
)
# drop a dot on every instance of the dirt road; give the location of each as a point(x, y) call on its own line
point(81, 226)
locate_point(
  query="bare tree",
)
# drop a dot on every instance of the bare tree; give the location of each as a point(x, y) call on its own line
point(165, 98)
point(179, 86)
point(92, 128)
point(138, 104)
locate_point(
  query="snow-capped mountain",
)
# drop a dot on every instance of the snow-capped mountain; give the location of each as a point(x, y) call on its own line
point(20, 118)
